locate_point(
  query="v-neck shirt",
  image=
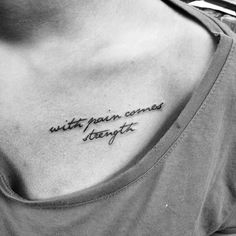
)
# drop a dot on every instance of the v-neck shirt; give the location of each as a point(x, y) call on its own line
point(184, 185)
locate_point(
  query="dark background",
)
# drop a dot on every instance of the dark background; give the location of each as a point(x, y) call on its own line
point(228, 19)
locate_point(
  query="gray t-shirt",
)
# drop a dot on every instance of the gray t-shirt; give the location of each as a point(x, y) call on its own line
point(184, 185)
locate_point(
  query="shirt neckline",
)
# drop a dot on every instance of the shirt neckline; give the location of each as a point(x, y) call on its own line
point(159, 150)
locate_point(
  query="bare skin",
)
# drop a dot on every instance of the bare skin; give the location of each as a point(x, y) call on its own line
point(67, 58)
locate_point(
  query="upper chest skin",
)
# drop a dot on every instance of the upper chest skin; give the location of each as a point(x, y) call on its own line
point(34, 98)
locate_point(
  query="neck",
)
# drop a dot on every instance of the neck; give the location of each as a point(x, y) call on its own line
point(27, 20)
point(99, 42)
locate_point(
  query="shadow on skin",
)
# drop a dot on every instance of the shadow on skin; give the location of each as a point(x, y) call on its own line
point(19, 19)
point(14, 180)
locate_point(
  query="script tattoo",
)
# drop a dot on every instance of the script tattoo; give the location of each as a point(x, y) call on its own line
point(85, 123)
point(125, 128)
